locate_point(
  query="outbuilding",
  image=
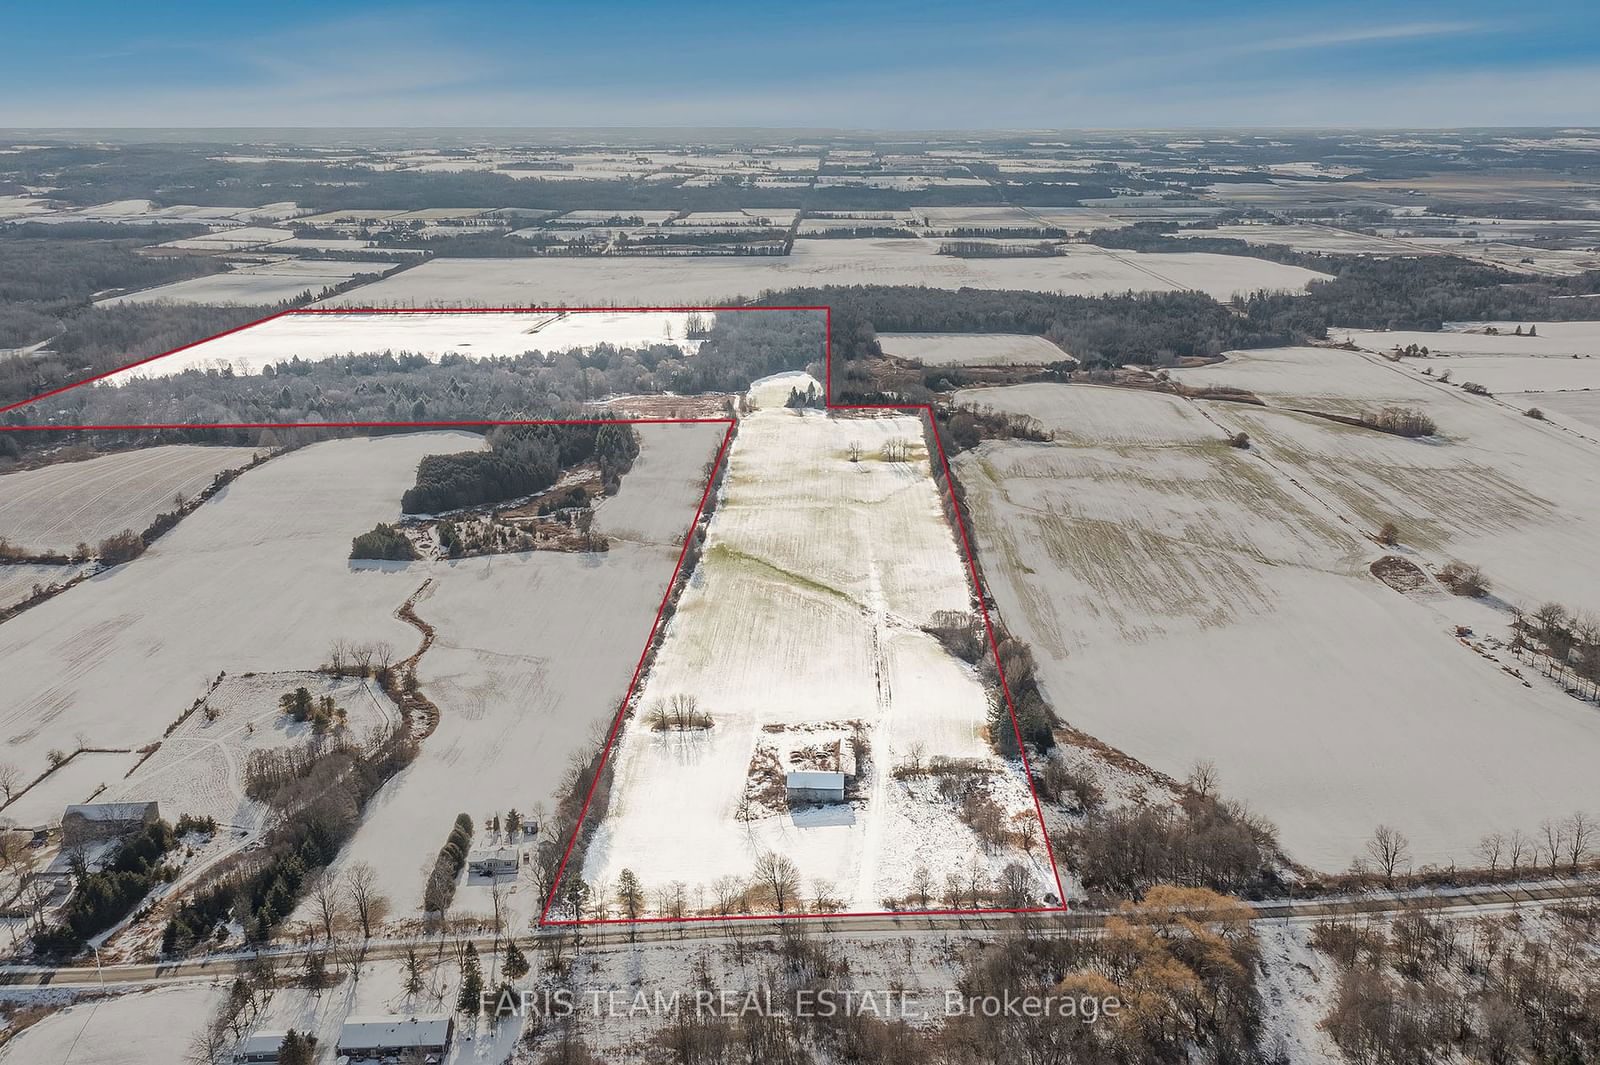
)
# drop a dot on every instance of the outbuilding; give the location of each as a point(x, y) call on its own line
point(811, 785)
point(261, 1047)
point(95, 822)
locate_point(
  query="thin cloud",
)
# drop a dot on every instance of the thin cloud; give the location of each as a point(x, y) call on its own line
point(1364, 35)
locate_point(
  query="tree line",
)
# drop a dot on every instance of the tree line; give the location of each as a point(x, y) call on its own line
point(519, 461)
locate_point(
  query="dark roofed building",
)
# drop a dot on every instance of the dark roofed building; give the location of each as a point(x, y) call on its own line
point(95, 822)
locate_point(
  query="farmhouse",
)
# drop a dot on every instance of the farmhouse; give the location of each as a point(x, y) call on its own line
point(95, 822)
point(374, 1038)
point(814, 786)
point(494, 862)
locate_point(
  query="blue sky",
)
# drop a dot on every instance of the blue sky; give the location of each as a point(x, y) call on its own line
point(861, 65)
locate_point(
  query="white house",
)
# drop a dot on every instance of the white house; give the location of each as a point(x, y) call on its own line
point(372, 1038)
point(494, 862)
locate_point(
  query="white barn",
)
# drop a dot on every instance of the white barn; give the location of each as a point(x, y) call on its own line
point(812, 785)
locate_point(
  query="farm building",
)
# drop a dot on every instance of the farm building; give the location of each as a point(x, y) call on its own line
point(94, 822)
point(494, 862)
point(374, 1038)
point(260, 1047)
point(814, 786)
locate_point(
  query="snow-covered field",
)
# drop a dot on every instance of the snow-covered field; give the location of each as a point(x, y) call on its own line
point(256, 579)
point(147, 1026)
point(1578, 409)
point(319, 336)
point(54, 507)
point(267, 283)
point(1311, 238)
point(17, 581)
point(1189, 600)
point(1084, 269)
point(1520, 498)
point(76, 781)
point(533, 654)
point(1565, 356)
point(972, 349)
point(802, 618)
point(199, 769)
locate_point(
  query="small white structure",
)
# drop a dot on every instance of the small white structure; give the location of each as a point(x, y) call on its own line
point(261, 1047)
point(494, 862)
point(373, 1038)
point(811, 785)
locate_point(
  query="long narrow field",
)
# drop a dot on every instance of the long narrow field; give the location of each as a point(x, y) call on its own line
point(972, 349)
point(55, 507)
point(1189, 600)
point(532, 656)
point(1083, 269)
point(801, 636)
point(319, 336)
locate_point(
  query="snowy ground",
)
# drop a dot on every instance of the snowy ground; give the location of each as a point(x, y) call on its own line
point(533, 654)
point(803, 616)
point(1580, 410)
point(18, 581)
point(972, 349)
point(199, 769)
point(1297, 985)
point(263, 284)
point(319, 336)
point(1518, 497)
point(1565, 356)
point(79, 780)
point(143, 1027)
point(1309, 238)
point(54, 507)
point(659, 280)
point(256, 579)
point(1190, 600)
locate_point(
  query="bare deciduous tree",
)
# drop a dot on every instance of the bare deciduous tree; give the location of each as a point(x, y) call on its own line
point(1014, 893)
point(729, 893)
point(1389, 850)
point(1203, 778)
point(327, 898)
point(1518, 847)
point(1490, 848)
point(779, 876)
point(361, 881)
point(1579, 830)
point(1553, 837)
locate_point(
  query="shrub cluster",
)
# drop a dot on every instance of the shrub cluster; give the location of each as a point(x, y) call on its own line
point(384, 542)
point(441, 889)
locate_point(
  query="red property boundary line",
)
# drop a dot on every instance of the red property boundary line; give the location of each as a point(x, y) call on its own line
point(926, 410)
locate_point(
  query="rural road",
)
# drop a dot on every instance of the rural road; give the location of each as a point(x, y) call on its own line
point(1486, 898)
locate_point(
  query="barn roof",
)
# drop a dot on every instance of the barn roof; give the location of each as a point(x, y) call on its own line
point(110, 811)
point(813, 778)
